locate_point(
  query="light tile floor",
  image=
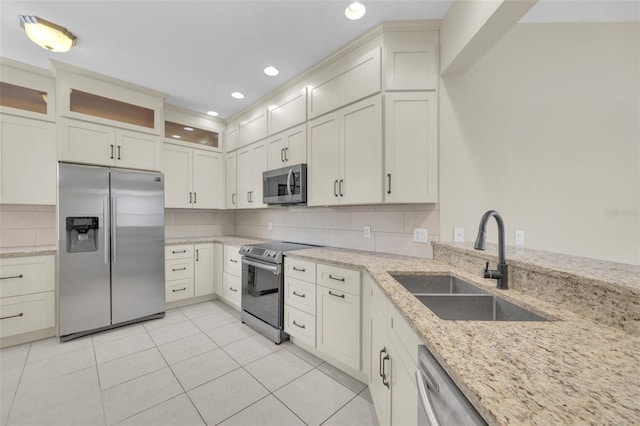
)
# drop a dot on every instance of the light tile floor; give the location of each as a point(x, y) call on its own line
point(198, 365)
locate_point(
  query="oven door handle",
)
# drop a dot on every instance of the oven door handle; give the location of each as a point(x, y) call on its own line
point(273, 268)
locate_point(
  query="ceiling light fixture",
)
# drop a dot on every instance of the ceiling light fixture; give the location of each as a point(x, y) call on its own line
point(237, 95)
point(212, 113)
point(46, 34)
point(189, 129)
point(176, 136)
point(355, 11)
point(271, 71)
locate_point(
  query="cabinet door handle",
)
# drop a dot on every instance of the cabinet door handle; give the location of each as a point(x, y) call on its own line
point(112, 147)
point(382, 351)
point(384, 373)
point(336, 294)
point(233, 260)
point(119, 149)
point(233, 198)
point(11, 277)
point(340, 186)
point(178, 251)
point(336, 278)
point(282, 155)
point(179, 289)
point(191, 198)
point(295, 268)
point(195, 197)
point(233, 289)
point(298, 325)
point(286, 157)
point(389, 178)
point(248, 200)
point(179, 269)
point(13, 316)
point(335, 187)
point(299, 295)
point(197, 255)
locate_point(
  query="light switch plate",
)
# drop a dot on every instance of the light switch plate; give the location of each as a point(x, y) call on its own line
point(458, 234)
point(519, 238)
point(367, 231)
point(270, 226)
point(420, 235)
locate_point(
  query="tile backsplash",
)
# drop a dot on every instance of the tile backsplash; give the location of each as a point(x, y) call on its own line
point(391, 226)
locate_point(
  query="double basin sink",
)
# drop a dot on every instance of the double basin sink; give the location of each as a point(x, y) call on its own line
point(451, 298)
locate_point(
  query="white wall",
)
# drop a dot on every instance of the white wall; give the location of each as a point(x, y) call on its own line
point(545, 128)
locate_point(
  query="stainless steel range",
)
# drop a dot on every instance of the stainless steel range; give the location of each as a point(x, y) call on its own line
point(263, 287)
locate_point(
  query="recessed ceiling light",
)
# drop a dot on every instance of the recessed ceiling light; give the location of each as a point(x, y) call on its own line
point(189, 129)
point(237, 95)
point(175, 136)
point(212, 113)
point(355, 11)
point(271, 71)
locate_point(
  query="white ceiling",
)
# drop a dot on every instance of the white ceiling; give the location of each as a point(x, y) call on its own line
point(198, 52)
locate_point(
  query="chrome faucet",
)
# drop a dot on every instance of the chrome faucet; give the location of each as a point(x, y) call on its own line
point(501, 274)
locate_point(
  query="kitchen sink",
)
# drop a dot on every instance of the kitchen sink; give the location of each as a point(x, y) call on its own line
point(451, 298)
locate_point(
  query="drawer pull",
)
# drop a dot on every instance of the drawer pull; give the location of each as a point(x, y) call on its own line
point(336, 294)
point(233, 260)
point(178, 251)
point(13, 316)
point(233, 289)
point(295, 268)
point(11, 277)
point(180, 289)
point(299, 295)
point(336, 278)
point(179, 269)
point(298, 325)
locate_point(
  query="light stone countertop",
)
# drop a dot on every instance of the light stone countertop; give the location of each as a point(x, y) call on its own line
point(226, 239)
point(27, 251)
point(570, 370)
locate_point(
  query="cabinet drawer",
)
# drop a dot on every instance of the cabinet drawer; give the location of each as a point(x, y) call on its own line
point(179, 289)
point(178, 252)
point(22, 314)
point(232, 289)
point(300, 295)
point(300, 269)
point(232, 260)
point(338, 278)
point(300, 325)
point(178, 269)
point(27, 275)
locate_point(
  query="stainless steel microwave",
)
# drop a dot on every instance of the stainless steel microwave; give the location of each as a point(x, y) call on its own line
point(287, 185)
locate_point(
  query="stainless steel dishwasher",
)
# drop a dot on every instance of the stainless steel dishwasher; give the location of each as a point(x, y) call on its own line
point(440, 402)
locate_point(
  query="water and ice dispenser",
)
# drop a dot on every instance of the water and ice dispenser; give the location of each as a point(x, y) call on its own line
point(82, 234)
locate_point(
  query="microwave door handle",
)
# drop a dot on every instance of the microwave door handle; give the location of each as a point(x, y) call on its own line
point(289, 182)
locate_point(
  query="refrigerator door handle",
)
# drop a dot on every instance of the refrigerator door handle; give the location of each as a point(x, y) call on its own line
point(114, 225)
point(105, 225)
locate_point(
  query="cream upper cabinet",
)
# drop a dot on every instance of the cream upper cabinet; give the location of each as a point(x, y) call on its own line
point(288, 111)
point(254, 127)
point(345, 155)
point(27, 161)
point(231, 195)
point(349, 78)
point(233, 136)
point(288, 148)
point(411, 60)
point(251, 162)
point(411, 147)
point(204, 269)
point(89, 143)
point(194, 178)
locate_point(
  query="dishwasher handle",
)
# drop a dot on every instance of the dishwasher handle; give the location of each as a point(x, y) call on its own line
point(425, 400)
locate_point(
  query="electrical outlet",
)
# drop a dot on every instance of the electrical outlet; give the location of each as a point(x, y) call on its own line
point(367, 231)
point(519, 238)
point(458, 234)
point(420, 235)
point(270, 226)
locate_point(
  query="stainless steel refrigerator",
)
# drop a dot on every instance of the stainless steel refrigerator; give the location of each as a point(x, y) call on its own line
point(110, 248)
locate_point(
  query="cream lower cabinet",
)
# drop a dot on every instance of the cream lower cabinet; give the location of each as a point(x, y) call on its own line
point(411, 147)
point(232, 279)
point(189, 271)
point(394, 350)
point(300, 300)
point(194, 178)
point(344, 155)
point(251, 162)
point(90, 143)
point(338, 314)
point(27, 161)
point(27, 295)
point(204, 269)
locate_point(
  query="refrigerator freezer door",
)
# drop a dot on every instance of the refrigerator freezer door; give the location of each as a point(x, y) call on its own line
point(137, 273)
point(84, 266)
